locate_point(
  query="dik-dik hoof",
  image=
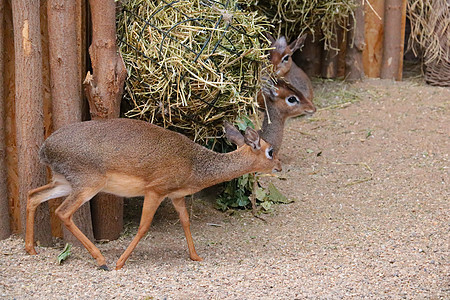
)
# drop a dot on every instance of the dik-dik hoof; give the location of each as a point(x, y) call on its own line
point(31, 250)
point(196, 258)
point(103, 267)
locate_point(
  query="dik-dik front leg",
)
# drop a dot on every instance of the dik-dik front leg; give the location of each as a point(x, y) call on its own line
point(151, 204)
point(180, 206)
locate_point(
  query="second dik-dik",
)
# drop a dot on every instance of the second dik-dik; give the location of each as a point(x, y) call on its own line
point(134, 158)
point(280, 102)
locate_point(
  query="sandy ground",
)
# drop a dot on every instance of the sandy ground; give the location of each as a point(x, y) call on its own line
point(371, 218)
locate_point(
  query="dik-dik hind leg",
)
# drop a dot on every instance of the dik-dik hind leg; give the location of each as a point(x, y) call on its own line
point(151, 203)
point(65, 212)
point(37, 196)
point(180, 206)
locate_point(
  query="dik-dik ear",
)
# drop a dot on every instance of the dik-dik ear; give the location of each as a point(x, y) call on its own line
point(251, 138)
point(295, 45)
point(270, 37)
point(233, 135)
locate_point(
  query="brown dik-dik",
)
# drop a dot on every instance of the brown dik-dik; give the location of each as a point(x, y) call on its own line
point(134, 158)
point(280, 102)
point(285, 68)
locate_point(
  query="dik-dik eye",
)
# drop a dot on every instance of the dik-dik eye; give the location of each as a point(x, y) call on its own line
point(285, 58)
point(292, 100)
point(269, 153)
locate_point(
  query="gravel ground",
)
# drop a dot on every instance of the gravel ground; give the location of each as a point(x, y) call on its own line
point(371, 220)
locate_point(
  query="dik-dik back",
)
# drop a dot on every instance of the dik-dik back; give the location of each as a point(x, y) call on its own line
point(120, 146)
point(285, 68)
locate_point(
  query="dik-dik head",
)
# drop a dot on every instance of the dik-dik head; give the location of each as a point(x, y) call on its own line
point(281, 56)
point(285, 100)
point(258, 150)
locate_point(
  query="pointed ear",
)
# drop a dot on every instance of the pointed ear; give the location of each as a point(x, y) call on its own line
point(270, 37)
point(251, 138)
point(295, 45)
point(233, 135)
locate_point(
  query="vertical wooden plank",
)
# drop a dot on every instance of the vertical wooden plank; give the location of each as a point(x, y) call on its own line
point(29, 109)
point(5, 227)
point(355, 45)
point(66, 86)
point(10, 120)
point(392, 63)
point(372, 53)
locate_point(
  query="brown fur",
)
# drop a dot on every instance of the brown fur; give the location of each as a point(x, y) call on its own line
point(133, 158)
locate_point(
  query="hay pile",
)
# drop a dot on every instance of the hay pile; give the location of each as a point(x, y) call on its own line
point(430, 35)
point(191, 64)
point(320, 17)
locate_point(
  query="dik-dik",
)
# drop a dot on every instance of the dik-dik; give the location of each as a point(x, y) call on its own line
point(134, 158)
point(280, 102)
point(285, 68)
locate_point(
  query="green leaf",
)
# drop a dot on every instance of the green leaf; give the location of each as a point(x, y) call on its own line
point(260, 194)
point(243, 201)
point(65, 253)
point(309, 151)
point(276, 196)
point(243, 180)
point(244, 122)
point(267, 205)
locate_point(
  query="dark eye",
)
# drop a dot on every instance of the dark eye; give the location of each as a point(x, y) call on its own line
point(285, 58)
point(292, 100)
point(269, 153)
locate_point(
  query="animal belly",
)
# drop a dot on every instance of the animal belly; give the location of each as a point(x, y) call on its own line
point(124, 185)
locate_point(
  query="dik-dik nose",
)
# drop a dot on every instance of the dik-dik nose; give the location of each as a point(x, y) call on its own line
point(277, 167)
point(311, 110)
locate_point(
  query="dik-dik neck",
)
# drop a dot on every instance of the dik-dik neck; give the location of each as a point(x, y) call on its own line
point(211, 168)
point(273, 127)
point(299, 81)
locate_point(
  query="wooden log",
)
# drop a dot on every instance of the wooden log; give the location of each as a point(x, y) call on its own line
point(5, 227)
point(354, 69)
point(104, 88)
point(10, 120)
point(373, 31)
point(394, 38)
point(66, 86)
point(29, 110)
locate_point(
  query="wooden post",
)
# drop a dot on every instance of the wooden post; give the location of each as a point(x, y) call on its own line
point(354, 69)
point(29, 110)
point(9, 92)
point(104, 90)
point(372, 53)
point(65, 86)
point(394, 38)
point(5, 228)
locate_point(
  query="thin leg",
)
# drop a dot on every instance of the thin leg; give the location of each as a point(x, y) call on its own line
point(151, 203)
point(36, 197)
point(65, 212)
point(180, 206)
point(253, 195)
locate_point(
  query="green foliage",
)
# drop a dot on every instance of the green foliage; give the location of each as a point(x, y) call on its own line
point(65, 253)
point(237, 194)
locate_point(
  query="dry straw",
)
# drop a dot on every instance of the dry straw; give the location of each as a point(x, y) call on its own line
point(430, 36)
point(320, 17)
point(191, 64)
